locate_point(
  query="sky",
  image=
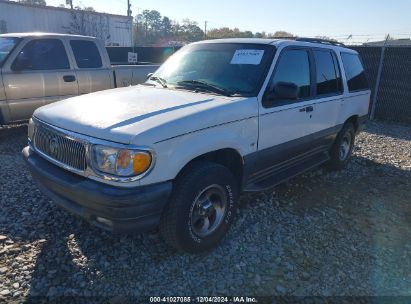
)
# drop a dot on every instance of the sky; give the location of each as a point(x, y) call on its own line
point(364, 19)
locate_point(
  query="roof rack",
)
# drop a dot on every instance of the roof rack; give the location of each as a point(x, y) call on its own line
point(319, 40)
point(314, 40)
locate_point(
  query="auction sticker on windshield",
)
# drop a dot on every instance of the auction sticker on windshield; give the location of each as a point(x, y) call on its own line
point(247, 56)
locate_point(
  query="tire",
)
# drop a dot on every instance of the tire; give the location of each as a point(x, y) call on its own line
point(341, 150)
point(201, 208)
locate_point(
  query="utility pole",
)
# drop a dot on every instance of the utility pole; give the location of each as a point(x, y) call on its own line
point(205, 30)
point(129, 8)
point(69, 2)
point(129, 13)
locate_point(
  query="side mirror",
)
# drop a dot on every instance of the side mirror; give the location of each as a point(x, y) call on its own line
point(283, 91)
point(149, 75)
point(21, 64)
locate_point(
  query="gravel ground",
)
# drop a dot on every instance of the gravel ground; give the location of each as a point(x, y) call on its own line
point(324, 233)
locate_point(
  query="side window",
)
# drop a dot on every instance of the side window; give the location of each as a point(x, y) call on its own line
point(327, 73)
point(42, 54)
point(354, 71)
point(86, 54)
point(294, 67)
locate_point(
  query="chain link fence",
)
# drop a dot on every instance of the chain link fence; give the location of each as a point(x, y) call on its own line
point(393, 99)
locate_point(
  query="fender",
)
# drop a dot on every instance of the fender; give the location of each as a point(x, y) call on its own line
point(172, 155)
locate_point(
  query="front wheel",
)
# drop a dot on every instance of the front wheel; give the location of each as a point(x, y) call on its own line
point(342, 148)
point(201, 208)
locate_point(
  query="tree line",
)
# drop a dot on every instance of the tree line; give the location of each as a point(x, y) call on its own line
point(151, 28)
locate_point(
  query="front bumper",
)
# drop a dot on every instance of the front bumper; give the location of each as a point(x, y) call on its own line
point(109, 207)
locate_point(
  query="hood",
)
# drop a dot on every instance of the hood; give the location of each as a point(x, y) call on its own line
point(139, 114)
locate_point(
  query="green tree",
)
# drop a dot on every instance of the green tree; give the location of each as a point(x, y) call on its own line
point(190, 31)
point(260, 35)
point(149, 25)
point(283, 34)
point(166, 27)
point(225, 32)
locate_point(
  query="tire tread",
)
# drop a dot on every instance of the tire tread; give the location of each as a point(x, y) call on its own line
point(169, 218)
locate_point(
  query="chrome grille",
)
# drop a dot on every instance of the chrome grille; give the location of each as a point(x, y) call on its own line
point(60, 147)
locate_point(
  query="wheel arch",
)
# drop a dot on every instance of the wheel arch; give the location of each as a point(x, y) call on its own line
point(354, 120)
point(227, 157)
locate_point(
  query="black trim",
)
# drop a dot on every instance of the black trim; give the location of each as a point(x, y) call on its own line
point(1, 118)
point(320, 41)
point(115, 79)
point(293, 157)
point(128, 209)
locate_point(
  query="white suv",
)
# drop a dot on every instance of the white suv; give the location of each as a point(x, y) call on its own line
point(218, 118)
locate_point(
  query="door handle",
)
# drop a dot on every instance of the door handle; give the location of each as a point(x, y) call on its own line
point(69, 78)
point(307, 109)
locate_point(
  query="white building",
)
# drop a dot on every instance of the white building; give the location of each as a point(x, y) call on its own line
point(17, 17)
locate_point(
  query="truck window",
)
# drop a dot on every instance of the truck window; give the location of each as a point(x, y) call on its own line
point(294, 66)
point(86, 54)
point(7, 44)
point(354, 71)
point(327, 73)
point(42, 54)
point(238, 68)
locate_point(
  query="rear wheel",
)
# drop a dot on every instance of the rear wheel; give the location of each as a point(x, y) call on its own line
point(342, 148)
point(201, 209)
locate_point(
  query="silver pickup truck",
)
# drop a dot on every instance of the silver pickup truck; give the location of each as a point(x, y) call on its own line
point(39, 68)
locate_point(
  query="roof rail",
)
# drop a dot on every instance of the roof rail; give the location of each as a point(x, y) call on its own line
point(312, 40)
point(319, 40)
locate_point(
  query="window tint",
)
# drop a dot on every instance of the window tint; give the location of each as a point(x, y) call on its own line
point(86, 54)
point(327, 78)
point(354, 72)
point(294, 66)
point(42, 54)
point(7, 44)
point(238, 68)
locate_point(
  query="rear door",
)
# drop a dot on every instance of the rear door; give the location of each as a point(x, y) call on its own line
point(39, 74)
point(328, 94)
point(92, 71)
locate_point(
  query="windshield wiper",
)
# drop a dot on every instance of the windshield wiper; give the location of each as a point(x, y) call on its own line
point(200, 84)
point(159, 80)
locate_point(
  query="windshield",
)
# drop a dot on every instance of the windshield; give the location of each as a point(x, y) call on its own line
point(226, 68)
point(6, 46)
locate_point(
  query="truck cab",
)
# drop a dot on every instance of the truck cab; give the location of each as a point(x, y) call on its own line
point(41, 68)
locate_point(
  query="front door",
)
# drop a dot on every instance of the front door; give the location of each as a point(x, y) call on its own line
point(285, 125)
point(39, 74)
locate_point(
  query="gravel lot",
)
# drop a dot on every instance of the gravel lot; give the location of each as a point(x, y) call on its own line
point(324, 233)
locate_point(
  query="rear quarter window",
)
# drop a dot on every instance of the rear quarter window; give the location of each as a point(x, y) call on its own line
point(354, 72)
point(327, 73)
point(86, 54)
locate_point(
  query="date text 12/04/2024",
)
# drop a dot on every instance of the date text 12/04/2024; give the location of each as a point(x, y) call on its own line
point(203, 299)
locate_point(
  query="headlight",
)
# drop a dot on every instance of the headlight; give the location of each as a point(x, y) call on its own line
point(30, 129)
point(120, 162)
